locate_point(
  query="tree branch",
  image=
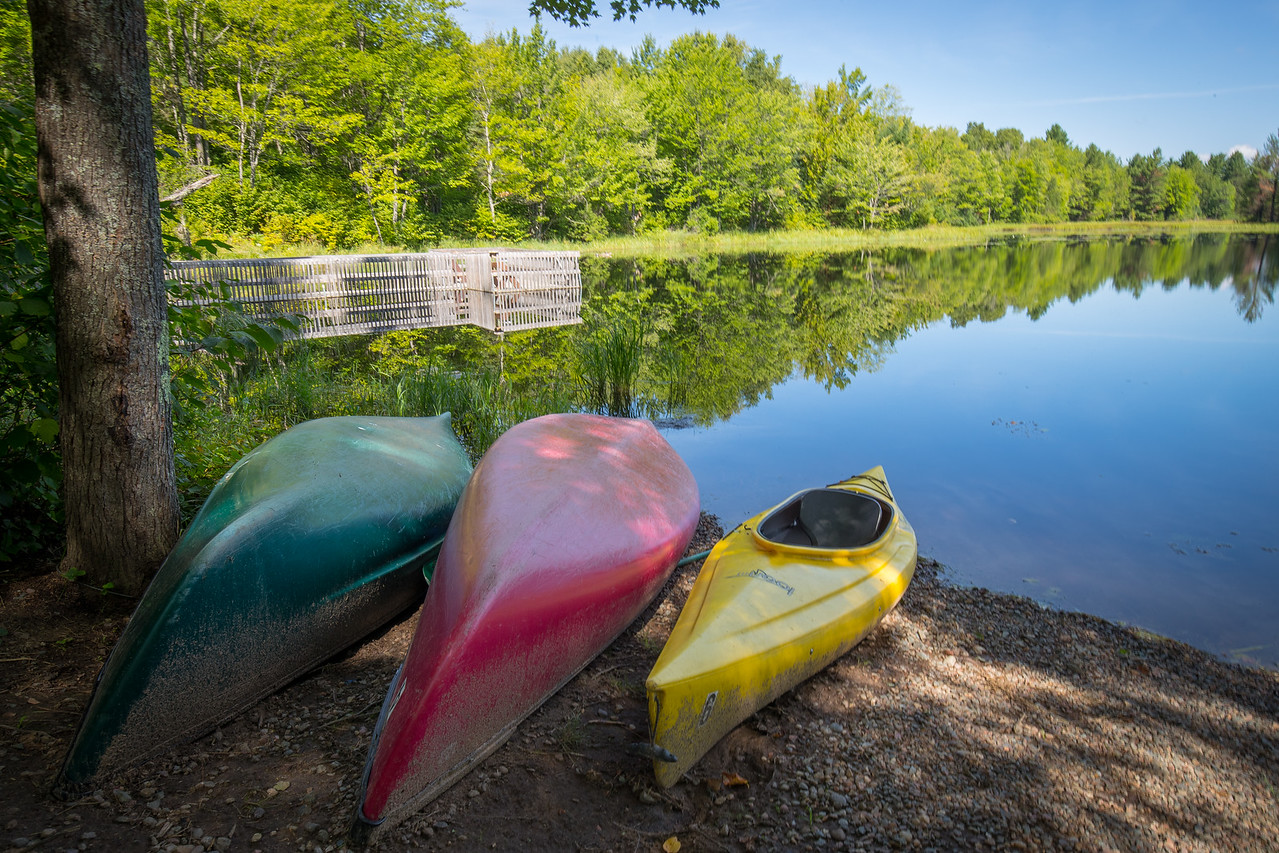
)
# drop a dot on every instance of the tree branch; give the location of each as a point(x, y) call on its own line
point(178, 195)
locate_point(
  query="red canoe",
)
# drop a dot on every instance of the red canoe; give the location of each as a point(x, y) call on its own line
point(567, 530)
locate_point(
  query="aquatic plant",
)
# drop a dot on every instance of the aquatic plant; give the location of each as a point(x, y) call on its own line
point(609, 362)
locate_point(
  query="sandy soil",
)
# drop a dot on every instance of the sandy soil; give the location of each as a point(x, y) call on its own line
point(968, 720)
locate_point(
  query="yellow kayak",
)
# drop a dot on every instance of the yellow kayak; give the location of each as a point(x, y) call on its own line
point(778, 599)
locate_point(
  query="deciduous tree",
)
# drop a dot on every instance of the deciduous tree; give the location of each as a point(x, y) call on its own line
point(834, 110)
point(730, 125)
point(408, 82)
point(577, 13)
point(1009, 139)
point(184, 36)
point(1181, 194)
point(515, 82)
point(101, 206)
point(610, 155)
point(978, 138)
point(873, 170)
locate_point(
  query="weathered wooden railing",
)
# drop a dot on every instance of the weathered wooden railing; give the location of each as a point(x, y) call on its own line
point(497, 289)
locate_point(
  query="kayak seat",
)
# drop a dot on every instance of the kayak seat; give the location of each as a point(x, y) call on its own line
point(840, 519)
point(784, 527)
point(796, 535)
point(826, 518)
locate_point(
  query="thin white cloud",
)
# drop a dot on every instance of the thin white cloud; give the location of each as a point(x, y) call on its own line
point(1152, 96)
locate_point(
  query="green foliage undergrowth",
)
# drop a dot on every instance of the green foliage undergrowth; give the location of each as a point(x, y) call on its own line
point(30, 508)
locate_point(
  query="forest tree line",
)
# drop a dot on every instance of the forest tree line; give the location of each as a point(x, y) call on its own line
point(343, 122)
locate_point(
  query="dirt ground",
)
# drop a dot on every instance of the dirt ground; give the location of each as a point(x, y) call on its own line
point(968, 720)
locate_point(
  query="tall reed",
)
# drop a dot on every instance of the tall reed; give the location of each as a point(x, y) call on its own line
point(609, 363)
point(483, 406)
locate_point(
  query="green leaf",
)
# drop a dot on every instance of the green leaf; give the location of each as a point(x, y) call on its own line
point(263, 337)
point(15, 440)
point(212, 246)
point(35, 307)
point(45, 429)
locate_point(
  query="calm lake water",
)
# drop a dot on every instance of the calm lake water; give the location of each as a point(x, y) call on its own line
point(1092, 425)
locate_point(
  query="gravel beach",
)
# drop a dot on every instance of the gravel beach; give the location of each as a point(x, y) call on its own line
point(967, 721)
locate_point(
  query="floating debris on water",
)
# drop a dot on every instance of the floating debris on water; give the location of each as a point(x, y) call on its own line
point(1023, 427)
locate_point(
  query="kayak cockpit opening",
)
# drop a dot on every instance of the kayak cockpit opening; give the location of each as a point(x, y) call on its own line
point(827, 518)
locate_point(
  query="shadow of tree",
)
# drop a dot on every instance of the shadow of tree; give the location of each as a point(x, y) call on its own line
point(976, 719)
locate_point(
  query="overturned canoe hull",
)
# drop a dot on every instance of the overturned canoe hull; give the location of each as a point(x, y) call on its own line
point(310, 542)
point(567, 530)
point(777, 600)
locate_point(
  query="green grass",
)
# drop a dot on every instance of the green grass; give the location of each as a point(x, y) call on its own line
point(571, 736)
point(304, 384)
point(678, 243)
point(686, 243)
point(248, 247)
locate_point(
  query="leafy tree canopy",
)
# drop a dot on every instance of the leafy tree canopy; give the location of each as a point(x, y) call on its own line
point(578, 13)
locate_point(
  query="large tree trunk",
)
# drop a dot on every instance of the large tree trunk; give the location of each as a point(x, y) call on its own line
point(100, 196)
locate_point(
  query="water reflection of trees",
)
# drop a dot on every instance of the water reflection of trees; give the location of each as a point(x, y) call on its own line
point(1255, 287)
point(719, 332)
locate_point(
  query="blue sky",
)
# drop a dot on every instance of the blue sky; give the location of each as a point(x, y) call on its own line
point(1128, 76)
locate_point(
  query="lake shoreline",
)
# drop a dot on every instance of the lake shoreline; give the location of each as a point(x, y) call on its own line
point(833, 241)
point(967, 720)
point(675, 244)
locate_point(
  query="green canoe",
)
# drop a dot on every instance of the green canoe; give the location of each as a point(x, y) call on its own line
point(310, 542)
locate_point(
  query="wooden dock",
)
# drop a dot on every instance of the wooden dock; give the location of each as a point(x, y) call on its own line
point(501, 290)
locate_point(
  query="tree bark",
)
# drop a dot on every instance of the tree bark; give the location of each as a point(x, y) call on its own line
point(100, 198)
